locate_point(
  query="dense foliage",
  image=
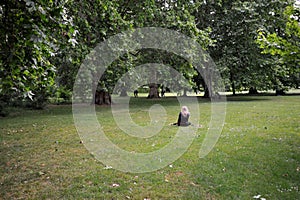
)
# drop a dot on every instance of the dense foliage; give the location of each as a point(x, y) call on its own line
point(255, 44)
point(32, 35)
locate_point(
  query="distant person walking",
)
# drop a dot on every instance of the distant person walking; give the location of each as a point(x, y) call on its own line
point(136, 93)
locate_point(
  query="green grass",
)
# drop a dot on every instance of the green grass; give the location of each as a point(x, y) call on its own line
point(258, 153)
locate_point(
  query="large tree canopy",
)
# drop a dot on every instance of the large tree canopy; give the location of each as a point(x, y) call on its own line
point(284, 47)
point(131, 14)
point(235, 26)
point(31, 36)
point(254, 43)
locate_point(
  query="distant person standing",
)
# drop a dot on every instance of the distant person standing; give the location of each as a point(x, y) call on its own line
point(162, 93)
point(136, 93)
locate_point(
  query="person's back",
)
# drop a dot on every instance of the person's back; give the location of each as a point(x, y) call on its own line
point(183, 120)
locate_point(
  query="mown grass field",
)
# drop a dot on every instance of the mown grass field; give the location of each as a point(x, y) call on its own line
point(256, 156)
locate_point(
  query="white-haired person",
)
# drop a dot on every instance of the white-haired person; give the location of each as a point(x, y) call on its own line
point(183, 117)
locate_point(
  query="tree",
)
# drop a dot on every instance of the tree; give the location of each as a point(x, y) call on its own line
point(175, 15)
point(234, 26)
point(95, 21)
point(284, 46)
point(44, 43)
point(30, 37)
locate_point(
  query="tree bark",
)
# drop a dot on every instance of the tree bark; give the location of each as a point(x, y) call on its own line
point(253, 90)
point(102, 97)
point(206, 92)
point(153, 92)
point(185, 92)
point(232, 83)
point(123, 93)
point(207, 86)
point(280, 92)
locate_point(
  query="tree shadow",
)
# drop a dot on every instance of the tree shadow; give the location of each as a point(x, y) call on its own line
point(246, 98)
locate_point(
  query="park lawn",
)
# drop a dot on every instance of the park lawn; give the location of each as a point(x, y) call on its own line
point(257, 154)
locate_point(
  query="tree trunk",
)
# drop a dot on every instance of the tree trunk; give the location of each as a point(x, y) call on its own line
point(253, 90)
point(206, 92)
point(207, 83)
point(185, 92)
point(153, 92)
point(232, 83)
point(207, 86)
point(102, 97)
point(123, 93)
point(280, 92)
point(94, 87)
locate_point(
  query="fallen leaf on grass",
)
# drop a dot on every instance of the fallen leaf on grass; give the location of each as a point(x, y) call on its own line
point(179, 173)
point(116, 185)
point(166, 179)
point(259, 197)
point(193, 184)
point(286, 175)
point(107, 167)
point(41, 173)
point(89, 182)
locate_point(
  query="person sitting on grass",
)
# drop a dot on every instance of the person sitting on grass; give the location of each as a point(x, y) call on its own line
point(183, 117)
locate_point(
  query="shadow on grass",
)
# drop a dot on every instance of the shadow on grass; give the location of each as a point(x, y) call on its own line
point(257, 97)
point(246, 98)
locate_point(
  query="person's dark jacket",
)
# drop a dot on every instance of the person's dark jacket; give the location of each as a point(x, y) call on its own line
point(183, 120)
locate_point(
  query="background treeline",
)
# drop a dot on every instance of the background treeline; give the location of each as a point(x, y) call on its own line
point(255, 44)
